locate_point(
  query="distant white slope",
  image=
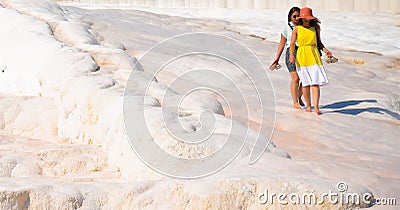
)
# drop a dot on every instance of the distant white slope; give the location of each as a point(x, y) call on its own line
point(327, 5)
point(344, 30)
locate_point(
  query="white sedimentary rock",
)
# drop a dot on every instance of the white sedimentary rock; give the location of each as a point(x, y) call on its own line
point(64, 76)
point(327, 5)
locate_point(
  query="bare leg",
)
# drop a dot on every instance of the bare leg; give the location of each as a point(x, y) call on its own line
point(307, 98)
point(300, 93)
point(294, 88)
point(316, 95)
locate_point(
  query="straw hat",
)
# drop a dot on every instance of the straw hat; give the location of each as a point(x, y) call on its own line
point(306, 13)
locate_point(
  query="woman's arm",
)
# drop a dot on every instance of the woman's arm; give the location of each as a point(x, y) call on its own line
point(320, 45)
point(281, 46)
point(293, 45)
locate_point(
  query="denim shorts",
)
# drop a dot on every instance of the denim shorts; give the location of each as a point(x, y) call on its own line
point(290, 66)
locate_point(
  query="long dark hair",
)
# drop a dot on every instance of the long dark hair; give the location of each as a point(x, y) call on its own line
point(291, 11)
point(313, 23)
point(316, 23)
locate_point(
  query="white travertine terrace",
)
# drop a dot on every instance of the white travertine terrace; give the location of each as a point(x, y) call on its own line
point(327, 5)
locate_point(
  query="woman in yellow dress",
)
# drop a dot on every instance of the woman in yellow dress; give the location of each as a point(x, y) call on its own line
point(308, 60)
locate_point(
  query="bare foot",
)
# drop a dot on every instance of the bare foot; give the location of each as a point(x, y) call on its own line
point(301, 102)
point(296, 106)
point(317, 111)
point(308, 109)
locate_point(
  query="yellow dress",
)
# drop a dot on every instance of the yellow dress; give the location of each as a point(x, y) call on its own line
point(308, 62)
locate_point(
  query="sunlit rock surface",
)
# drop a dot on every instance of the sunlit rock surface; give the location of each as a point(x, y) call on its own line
point(63, 145)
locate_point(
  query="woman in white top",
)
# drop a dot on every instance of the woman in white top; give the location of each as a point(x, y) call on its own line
point(286, 37)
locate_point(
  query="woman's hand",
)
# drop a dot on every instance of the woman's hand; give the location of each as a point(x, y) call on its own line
point(329, 54)
point(271, 67)
point(291, 58)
